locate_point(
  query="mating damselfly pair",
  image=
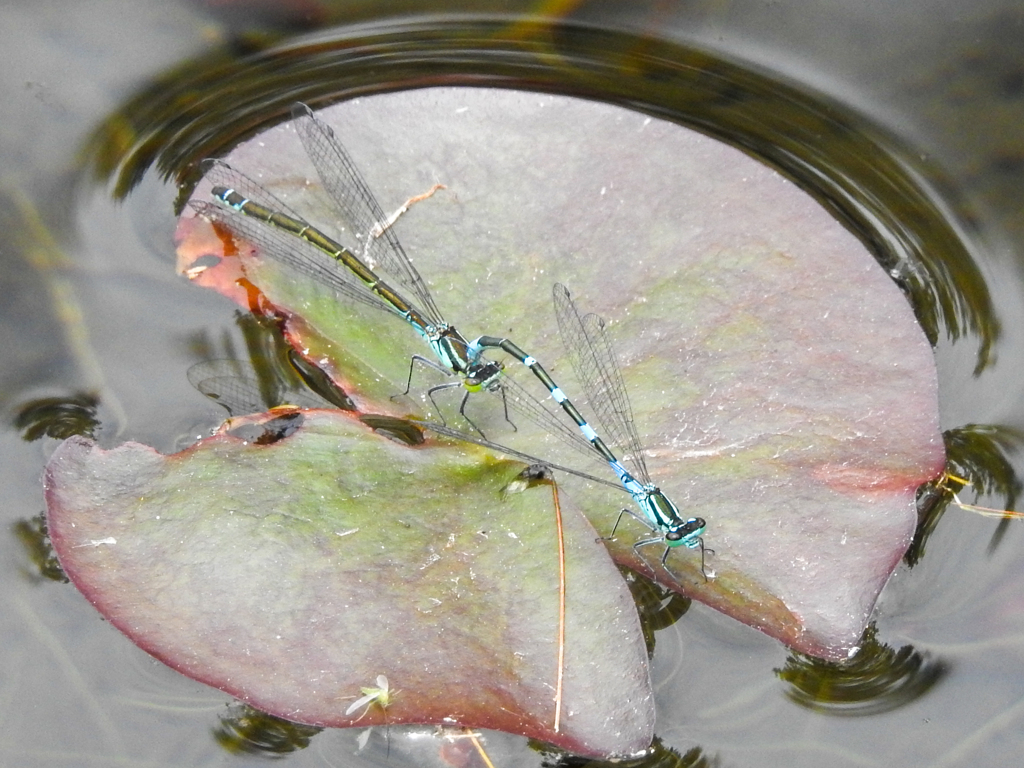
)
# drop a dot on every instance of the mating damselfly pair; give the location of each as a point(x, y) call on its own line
point(261, 219)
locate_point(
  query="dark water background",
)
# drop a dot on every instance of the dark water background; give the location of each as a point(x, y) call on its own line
point(89, 303)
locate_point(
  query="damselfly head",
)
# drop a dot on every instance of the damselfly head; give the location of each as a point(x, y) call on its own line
point(484, 375)
point(685, 533)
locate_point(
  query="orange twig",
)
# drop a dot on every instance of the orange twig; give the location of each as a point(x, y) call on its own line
point(561, 608)
point(479, 748)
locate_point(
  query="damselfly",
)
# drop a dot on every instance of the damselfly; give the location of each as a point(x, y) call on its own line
point(261, 219)
point(597, 370)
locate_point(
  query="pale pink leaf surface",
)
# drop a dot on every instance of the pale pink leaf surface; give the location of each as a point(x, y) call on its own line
point(293, 575)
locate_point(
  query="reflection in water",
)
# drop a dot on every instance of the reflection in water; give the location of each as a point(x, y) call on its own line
point(58, 417)
point(978, 454)
point(248, 731)
point(35, 540)
point(319, 382)
point(878, 679)
point(658, 606)
point(273, 375)
point(267, 431)
point(399, 430)
point(656, 756)
point(238, 386)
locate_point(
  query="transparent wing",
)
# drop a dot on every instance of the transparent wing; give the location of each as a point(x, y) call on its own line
point(281, 246)
point(235, 385)
point(550, 419)
point(360, 210)
point(597, 370)
point(291, 251)
point(458, 434)
point(363, 701)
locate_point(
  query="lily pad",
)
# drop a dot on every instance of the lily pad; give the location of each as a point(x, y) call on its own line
point(779, 380)
point(294, 574)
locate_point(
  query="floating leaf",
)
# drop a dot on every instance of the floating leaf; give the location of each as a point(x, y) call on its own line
point(780, 383)
point(294, 574)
